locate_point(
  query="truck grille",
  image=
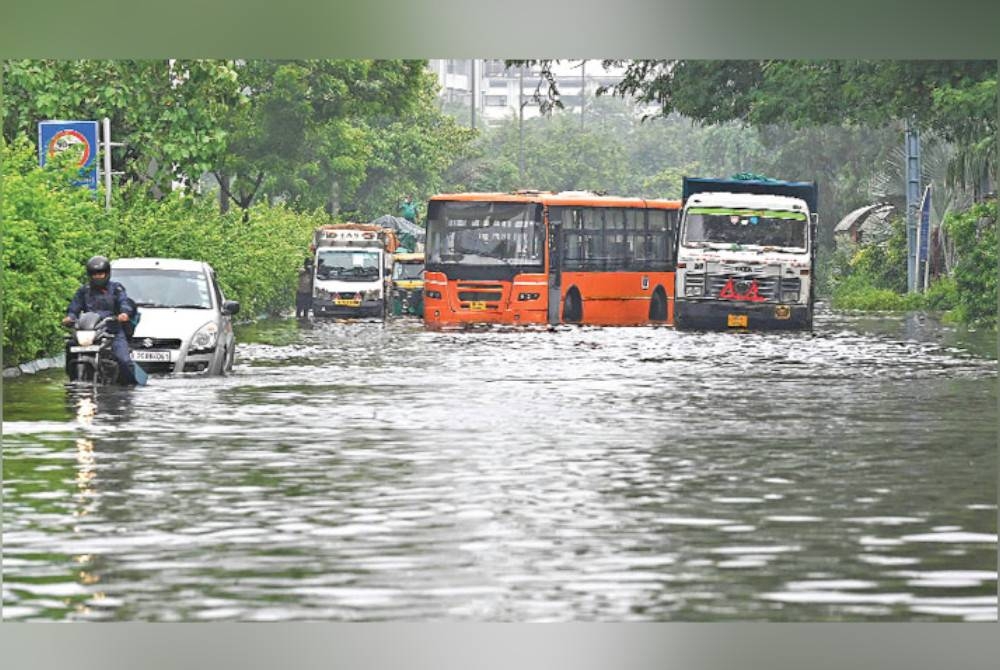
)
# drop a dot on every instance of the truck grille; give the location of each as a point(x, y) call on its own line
point(767, 286)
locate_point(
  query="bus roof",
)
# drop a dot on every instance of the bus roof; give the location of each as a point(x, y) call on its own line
point(562, 198)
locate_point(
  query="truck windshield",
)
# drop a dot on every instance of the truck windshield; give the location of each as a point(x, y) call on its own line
point(347, 264)
point(704, 226)
point(165, 288)
point(485, 233)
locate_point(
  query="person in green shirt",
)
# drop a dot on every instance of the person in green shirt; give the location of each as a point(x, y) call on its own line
point(408, 210)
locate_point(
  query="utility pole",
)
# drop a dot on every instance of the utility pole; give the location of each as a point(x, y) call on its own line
point(583, 90)
point(520, 125)
point(912, 202)
point(472, 79)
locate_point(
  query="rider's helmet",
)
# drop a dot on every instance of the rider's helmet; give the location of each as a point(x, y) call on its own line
point(97, 265)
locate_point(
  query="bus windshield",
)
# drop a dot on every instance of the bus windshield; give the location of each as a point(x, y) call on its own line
point(485, 233)
point(778, 230)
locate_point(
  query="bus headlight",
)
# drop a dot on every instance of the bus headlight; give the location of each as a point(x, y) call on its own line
point(693, 290)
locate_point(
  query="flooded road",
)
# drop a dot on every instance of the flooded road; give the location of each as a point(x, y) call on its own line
point(361, 472)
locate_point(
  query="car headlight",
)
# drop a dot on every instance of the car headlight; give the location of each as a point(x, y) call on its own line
point(206, 337)
point(85, 338)
point(790, 296)
point(693, 290)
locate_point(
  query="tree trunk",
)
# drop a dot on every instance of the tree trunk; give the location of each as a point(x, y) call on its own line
point(223, 180)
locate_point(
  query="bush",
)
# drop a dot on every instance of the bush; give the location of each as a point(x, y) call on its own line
point(974, 233)
point(857, 292)
point(50, 229)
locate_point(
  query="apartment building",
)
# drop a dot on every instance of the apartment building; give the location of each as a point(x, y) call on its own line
point(500, 91)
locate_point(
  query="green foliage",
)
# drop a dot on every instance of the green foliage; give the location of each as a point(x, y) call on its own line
point(52, 227)
point(974, 233)
point(170, 113)
point(873, 277)
point(856, 292)
point(955, 99)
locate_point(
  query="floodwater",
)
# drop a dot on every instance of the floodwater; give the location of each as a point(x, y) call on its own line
point(369, 472)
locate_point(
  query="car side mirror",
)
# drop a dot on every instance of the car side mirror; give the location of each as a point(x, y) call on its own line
point(230, 307)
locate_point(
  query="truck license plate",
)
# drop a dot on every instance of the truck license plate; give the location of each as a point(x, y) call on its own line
point(737, 321)
point(477, 305)
point(346, 302)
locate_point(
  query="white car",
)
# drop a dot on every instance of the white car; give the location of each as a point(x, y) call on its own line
point(185, 322)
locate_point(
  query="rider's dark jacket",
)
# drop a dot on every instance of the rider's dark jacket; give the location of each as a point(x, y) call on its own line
point(111, 300)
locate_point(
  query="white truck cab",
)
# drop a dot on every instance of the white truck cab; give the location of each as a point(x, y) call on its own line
point(351, 264)
point(746, 255)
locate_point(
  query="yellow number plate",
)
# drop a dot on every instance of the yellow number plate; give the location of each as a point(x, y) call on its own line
point(737, 321)
point(347, 303)
point(477, 304)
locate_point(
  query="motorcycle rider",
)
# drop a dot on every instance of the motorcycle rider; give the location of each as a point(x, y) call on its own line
point(107, 298)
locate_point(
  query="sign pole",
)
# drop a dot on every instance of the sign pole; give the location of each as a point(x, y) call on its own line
point(107, 163)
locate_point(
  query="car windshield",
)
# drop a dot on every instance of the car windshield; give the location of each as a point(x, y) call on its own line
point(485, 233)
point(408, 271)
point(705, 226)
point(154, 287)
point(349, 265)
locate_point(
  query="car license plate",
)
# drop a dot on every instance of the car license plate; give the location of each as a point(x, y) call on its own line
point(151, 356)
point(477, 305)
point(345, 302)
point(88, 349)
point(737, 321)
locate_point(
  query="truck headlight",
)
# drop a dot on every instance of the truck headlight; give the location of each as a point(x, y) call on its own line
point(693, 290)
point(206, 337)
point(790, 296)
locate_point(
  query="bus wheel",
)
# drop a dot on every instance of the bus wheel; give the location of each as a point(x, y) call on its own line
point(658, 305)
point(572, 307)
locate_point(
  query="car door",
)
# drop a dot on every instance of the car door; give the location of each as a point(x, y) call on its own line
point(227, 338)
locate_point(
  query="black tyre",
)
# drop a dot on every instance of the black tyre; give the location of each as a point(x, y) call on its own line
point(572, 307)
point(658, 306)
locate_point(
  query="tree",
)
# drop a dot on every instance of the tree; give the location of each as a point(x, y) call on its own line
point(169, 114)
point(955, 99)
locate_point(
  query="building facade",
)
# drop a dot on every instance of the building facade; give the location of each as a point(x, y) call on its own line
point(499, 93)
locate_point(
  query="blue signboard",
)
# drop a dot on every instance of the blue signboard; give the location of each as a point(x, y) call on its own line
point(925, 224)
point(79, 137)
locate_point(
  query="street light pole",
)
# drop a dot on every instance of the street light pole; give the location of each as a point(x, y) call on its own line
point(520, 125)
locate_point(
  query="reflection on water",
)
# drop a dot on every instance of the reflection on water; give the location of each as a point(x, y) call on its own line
point(355, 471)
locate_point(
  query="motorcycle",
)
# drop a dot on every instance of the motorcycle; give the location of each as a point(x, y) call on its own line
point(89, 357)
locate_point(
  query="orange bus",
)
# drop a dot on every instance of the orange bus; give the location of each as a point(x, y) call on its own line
point(534, 257)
